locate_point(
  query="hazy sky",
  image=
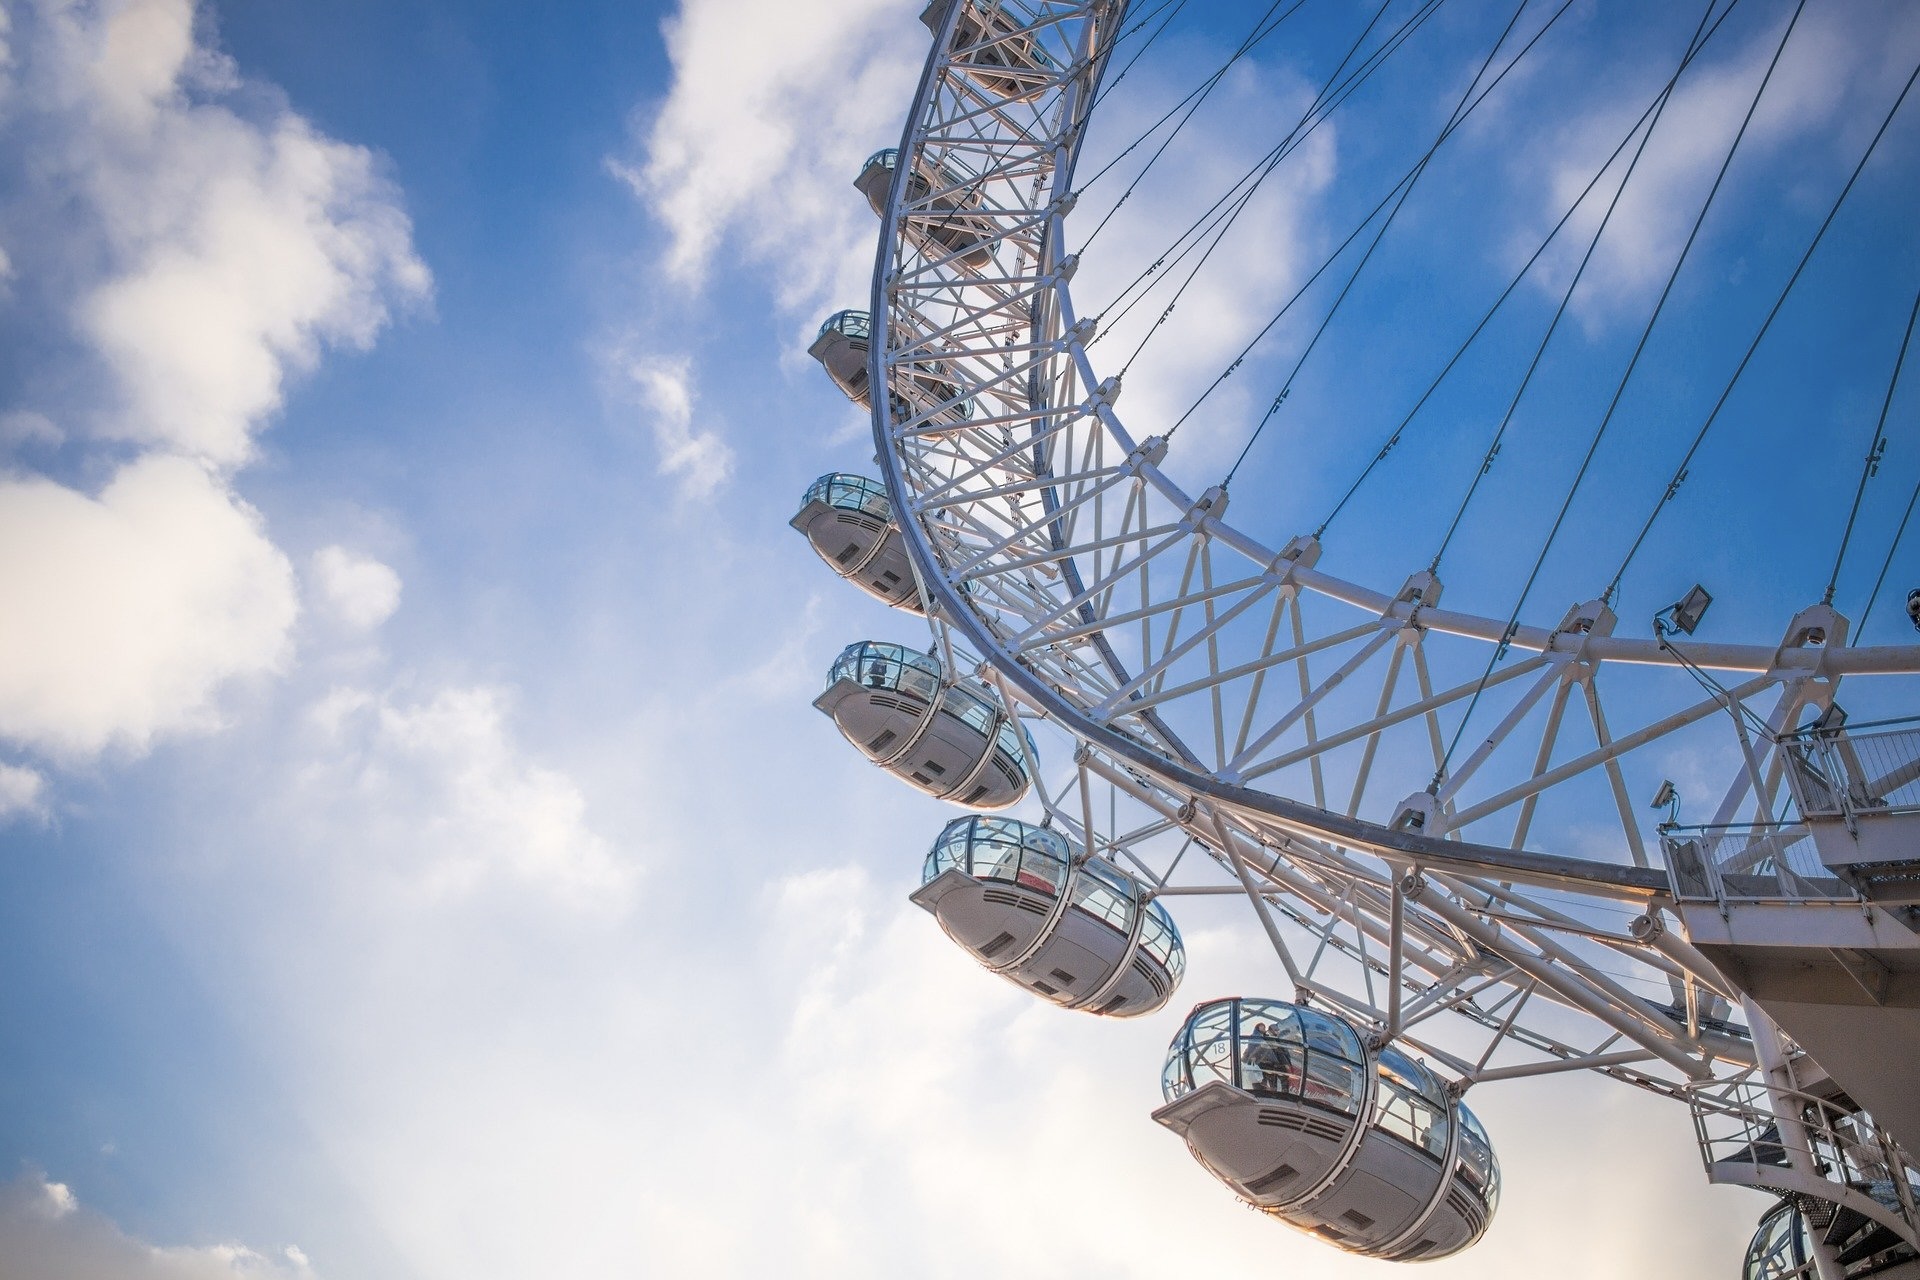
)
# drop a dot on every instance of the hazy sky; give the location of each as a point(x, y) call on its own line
point(418, 856)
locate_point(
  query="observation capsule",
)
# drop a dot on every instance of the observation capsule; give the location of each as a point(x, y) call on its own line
point(1782, 1247)
point(995, 48)
point(942, 208)
point(950, 738)
point(848, 519)
point(1082, 933)
point(1364, 1149)
point(841, 347)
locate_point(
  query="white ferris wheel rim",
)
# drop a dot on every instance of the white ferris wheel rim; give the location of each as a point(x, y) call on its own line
point(1055, 699)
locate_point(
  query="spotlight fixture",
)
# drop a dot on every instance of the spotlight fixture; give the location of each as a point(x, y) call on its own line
point(1668, 798)
point(1685, 613)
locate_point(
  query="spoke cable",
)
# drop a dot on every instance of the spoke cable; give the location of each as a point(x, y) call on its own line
point(1398, 433)
point(1680, 472)
point(1110, 85)
point(1292, 143)
point(1192, 102)
point(1886, 564)
point(1875, 451)
point(1257, 174)
point(1405, 192)
point(1566, 299)
point(1207, 223)
point(1633, 362)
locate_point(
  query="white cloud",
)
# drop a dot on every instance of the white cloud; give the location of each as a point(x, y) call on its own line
point(25, 427)
point(201, 250)
point(58, 1200)
point(22, 792)
point(1839, 73)
point(438, 792)
point(46, 1234)
point(702, 459)
point(773, 106)
point(231, 248)
point(267, 244)
point(357, 590)
point(126, 611)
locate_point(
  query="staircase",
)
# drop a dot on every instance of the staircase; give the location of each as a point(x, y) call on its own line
point(1852, 1184)
point(1817, 919)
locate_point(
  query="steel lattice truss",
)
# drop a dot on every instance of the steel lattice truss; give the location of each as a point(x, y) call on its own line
point(1245, 722)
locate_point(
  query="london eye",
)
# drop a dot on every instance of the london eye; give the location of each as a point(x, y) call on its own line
point(1416, 579)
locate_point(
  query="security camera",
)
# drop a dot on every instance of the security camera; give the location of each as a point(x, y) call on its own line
point(1913, 607)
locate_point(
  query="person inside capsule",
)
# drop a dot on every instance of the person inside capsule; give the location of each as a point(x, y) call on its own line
point(1267, 1055)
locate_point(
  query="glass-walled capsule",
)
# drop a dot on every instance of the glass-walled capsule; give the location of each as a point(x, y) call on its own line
point(1365, 1149)
point(950, 738)
point(841, 347)
point(1782, 1248)
point(848, 520)
point(942, 210)
point(1082, 933)
point(994, 47)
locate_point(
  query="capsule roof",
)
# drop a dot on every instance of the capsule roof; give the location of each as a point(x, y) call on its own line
point(851, 492)
point(849, 323)
point(883, 664)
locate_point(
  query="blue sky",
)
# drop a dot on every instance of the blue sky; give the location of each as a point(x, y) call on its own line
point(418, 856)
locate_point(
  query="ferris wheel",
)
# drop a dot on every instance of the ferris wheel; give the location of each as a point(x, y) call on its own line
point(1438, 816)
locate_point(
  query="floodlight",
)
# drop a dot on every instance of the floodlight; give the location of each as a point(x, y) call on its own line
point(1690, 608)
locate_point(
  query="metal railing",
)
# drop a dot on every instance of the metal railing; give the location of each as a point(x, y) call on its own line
point(1846, 773)
point(1750, 862)
point(1754, 1135)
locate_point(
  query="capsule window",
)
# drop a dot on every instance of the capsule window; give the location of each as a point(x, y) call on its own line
point(1477, 1161)
point(1106, 902)
point(1157, 936)
point(1405, 1107)
point(1002, 849)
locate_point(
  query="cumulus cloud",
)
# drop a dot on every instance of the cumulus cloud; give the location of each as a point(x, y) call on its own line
point(45, 1233)
point(1839, 72)
point(195, 246)
point(438, 790)
point(772, 108)
point(356, 590)
point(25, 427)
point(234, 247)
point(124, 612)
point(22, 792)
point(702, 459)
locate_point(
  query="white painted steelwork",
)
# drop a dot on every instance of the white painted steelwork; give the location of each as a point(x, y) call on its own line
point(1281, 720)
